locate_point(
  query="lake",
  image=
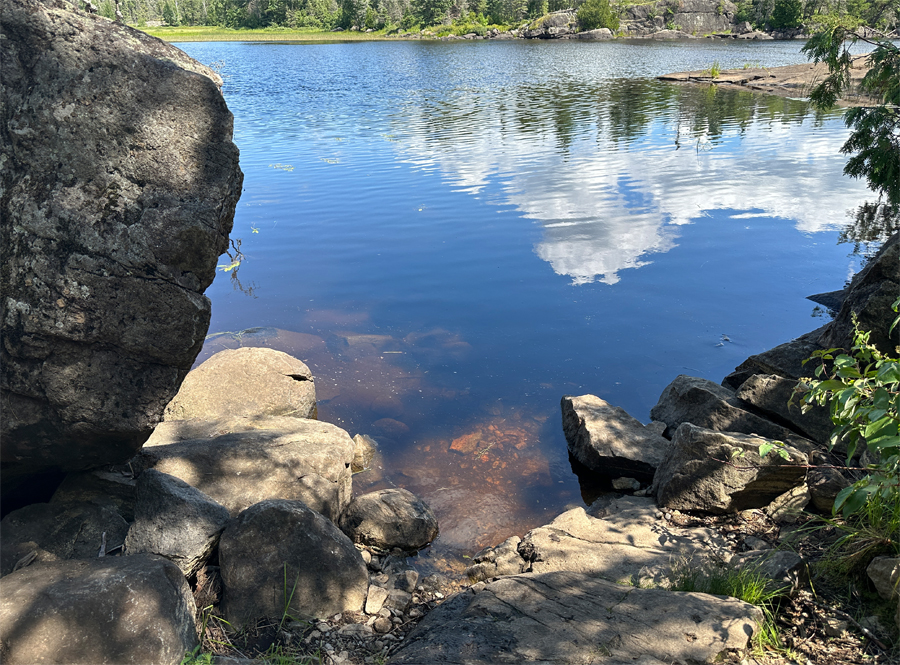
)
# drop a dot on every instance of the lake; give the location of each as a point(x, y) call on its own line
point(455, 235)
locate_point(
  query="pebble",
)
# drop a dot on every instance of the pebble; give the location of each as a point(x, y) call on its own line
point(438, 594)
point(379, 645)
point(382, 625)
point(323, 627)
point(337, 617)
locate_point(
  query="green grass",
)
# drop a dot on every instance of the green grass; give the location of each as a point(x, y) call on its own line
point(747, 584)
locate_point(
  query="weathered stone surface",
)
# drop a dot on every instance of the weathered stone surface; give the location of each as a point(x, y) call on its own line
point(706, 404)
point(884, 571)
point(504, 559)
point(375, 599)
point(289, 458)
point(698, 17)
point(567, 617)
point(600, 33)
point(774, 396)
point(696, 473)
point(786, 570)
point(119, 183)
point(105, 487)
point(109, 611)
point(390, 518)
point(609, 441)
point(176, 521)
point(628, 544)
point(783, 360)
point(273, 539)
point(250, 382)
point(824, 485)
point(364, 449)
point(869, 298)
point(552, 25)
point(58, 531)
point(788, 508)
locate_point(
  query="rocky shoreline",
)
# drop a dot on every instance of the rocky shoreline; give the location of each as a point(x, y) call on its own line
point(792, 81)
point(219, 514)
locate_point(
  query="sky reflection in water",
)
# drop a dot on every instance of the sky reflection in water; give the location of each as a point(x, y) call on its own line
point(453, 236)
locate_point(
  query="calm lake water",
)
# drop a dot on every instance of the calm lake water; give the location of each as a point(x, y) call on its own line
point(454, 235)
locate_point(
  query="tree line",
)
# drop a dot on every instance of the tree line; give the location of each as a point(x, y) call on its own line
point(409, 14)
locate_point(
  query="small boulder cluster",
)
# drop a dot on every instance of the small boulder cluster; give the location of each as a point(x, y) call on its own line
point(240, 500)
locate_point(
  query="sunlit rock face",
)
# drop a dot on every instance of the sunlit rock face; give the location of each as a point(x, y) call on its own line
point(119, 181)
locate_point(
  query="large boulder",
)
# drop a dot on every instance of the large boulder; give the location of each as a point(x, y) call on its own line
point(176, 521)
point(774, 396)
point(869, 298)
point(281, 557)
point(700, 472)
point(250, 382)
point(785, 360)
point(56, 531)
point(706, 404)
point(105, 487)
point(607, 440)
point(698, 17)
point(119, 182)
point(566, 617)
point(286, 458)
point(109, 611)
point(388, 519)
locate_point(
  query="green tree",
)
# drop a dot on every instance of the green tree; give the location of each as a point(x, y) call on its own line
point(431, 12)
point(787, 14)
point(874, 142)
point(595, 14)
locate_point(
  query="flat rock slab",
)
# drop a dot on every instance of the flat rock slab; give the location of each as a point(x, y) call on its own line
point(291, 458)
point(567, 617)
point(109, 611)
point(607, 440)
point(248, 381)
point(629, 544)
point(787, 81)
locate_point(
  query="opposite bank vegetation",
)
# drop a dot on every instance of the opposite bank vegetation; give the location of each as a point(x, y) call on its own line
point(317, 20)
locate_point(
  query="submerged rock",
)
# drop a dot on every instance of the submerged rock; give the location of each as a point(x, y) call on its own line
point(120, 181)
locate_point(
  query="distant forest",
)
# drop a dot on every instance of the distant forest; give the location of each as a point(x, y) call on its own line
point(409, 14)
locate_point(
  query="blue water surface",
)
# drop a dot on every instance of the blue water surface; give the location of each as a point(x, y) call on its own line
point(455, 235)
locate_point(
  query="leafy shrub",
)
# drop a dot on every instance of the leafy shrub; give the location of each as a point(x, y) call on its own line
point(594, 14)
point(862, 391)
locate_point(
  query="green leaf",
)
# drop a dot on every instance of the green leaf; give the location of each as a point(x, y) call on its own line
point(889, 372)
point(765, 448)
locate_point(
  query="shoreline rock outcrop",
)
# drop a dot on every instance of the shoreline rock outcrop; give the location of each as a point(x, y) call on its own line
point(119, 182)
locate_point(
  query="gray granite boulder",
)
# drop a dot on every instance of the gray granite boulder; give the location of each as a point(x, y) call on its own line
point(249, 381)
point(119, 181)
point(281, 556)
point(774, 396)
point(110, 611)
point(56, 531)
point(884, 571)
point(784, 360)
point(388, 519)
point(176, 521)
point(364, 450)
point(824, 485)
point(706, 404)
point(608, 441)
point(700, 472)
point(287, 458)
point(566, 617)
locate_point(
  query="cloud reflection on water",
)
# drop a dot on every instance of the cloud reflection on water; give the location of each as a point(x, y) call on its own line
point(627, 169)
